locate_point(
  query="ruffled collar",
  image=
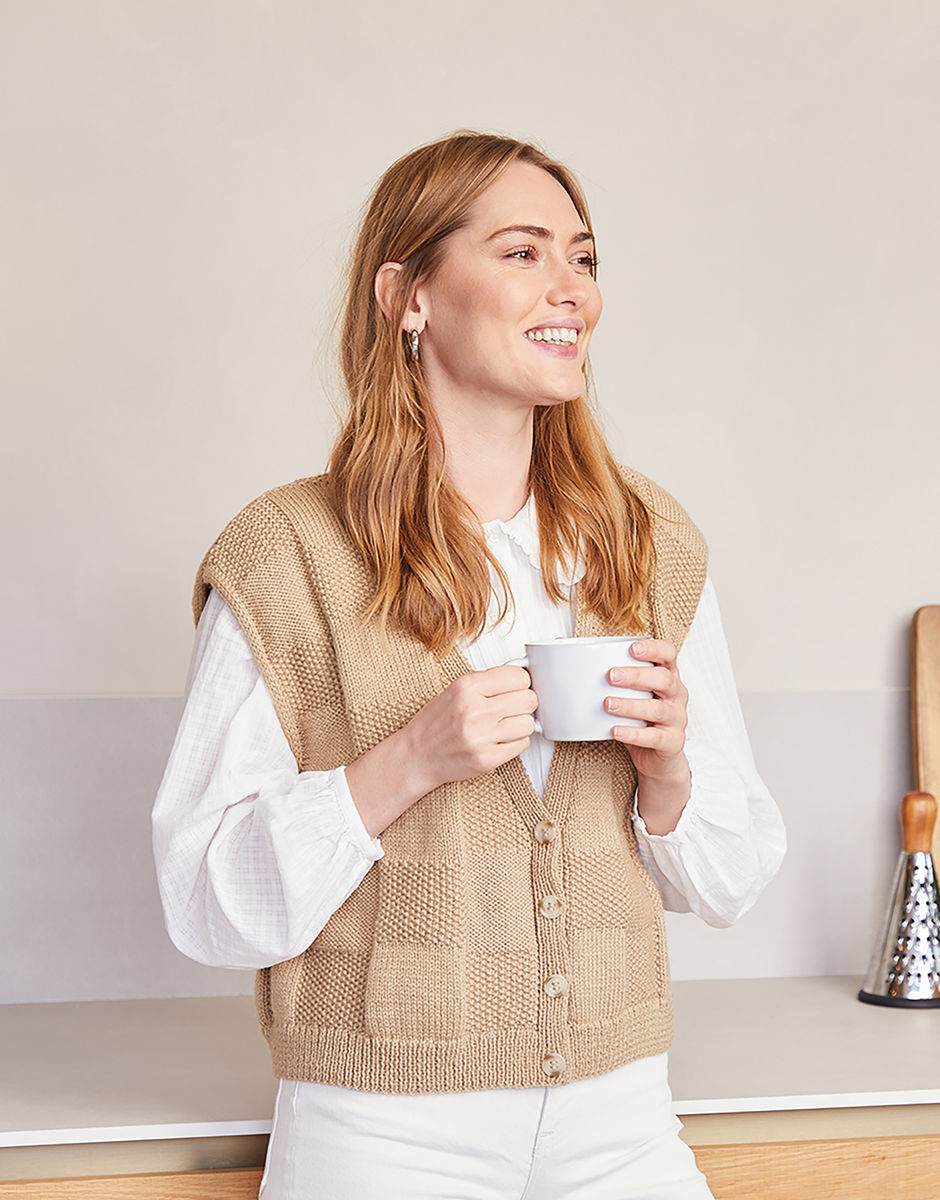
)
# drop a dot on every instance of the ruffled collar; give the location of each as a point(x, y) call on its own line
point(523, 529)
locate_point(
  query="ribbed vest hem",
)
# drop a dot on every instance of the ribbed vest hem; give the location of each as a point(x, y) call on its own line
point(508, 1058)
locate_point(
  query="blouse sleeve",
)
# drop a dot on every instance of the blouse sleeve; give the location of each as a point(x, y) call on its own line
point(252, 856)
point(730, 839)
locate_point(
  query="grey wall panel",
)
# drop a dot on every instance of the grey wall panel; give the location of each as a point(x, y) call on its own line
point(837, 763)
point(81, 918)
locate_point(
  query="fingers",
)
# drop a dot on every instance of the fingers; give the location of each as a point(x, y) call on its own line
point(503, 752)
point(484, 718)
point(513, 704)
point(496, 681)
point(500, 692)
point(659, 740)
point(515, 729)
point(653, 712)
point(514, 715)
point(654, 651)
point(659, 744)
point(664, 738)
point(665, 714)
point(661, 678)
point(496, 695)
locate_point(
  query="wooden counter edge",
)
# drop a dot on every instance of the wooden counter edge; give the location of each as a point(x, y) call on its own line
point(842, 1169)
point(238, 1184)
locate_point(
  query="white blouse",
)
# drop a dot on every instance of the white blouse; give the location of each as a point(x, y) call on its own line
point(253, 857)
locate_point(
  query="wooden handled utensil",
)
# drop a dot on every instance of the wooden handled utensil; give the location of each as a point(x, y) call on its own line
point(905, 968)
point(918, 822)
point(925, 704)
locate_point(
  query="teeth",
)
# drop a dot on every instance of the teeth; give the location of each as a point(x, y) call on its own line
point(562, 337)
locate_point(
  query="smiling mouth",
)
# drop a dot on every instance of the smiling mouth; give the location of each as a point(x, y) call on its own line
point(556, 337)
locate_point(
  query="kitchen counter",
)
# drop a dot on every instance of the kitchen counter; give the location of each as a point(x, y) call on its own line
point(171, 1085)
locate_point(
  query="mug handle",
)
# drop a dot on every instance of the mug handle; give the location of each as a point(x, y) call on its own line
point(524, 662)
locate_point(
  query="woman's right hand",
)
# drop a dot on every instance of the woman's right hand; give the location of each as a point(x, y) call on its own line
point(478, 722)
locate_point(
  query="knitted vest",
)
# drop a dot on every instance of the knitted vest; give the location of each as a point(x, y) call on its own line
point(503, 940)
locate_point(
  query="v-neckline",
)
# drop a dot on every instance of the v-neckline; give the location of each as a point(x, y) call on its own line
point(531, 806)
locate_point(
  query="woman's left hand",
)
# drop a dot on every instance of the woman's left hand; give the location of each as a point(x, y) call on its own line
point(657, 747)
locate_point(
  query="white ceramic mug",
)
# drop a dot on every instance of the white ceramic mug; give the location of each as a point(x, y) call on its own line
point(569, 676)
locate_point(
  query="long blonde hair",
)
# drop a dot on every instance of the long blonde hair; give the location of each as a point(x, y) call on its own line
point(423, 543)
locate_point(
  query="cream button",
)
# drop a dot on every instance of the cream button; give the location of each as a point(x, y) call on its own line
point(555, 985)
point(553, 1065)
point(545, 832)
point(550, 906)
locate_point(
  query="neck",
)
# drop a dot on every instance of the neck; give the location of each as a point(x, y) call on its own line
point(488, 462)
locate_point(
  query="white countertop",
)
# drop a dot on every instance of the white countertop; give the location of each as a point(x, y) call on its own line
point(773, 1045)
point(139, 1070)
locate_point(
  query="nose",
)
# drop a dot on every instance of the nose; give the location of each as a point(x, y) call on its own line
point(569, 285)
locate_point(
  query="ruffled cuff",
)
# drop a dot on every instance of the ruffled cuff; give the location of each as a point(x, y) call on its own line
point(726, 847)
point(370, 848)
point(674, 836)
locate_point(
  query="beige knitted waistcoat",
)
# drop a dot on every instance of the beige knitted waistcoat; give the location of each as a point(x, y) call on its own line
point(503, 940)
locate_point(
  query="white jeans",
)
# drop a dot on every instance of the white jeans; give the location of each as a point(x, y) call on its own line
point(611, 1137)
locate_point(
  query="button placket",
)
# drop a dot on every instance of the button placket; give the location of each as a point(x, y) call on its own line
point(553, 949)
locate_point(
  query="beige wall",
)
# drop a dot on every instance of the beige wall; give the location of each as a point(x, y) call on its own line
point(181, 182)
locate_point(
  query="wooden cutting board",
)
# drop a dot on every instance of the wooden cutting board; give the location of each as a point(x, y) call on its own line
point(925, 705)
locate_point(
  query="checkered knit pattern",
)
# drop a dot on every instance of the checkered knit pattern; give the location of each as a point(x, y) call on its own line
point(433, 975)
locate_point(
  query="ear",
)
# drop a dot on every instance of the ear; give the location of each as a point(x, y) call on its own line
point(386, 281)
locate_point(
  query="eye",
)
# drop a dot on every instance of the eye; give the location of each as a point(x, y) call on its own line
point(587, 260)
point(523, 253)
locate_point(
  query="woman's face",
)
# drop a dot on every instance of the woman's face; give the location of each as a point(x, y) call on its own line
point(508, 316)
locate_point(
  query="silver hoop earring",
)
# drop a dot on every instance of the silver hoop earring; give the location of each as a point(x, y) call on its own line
point(414, 344)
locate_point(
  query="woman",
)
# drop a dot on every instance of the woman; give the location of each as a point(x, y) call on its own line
point(478, 1004)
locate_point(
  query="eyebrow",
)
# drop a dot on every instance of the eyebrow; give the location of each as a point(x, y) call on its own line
point(539, 231)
